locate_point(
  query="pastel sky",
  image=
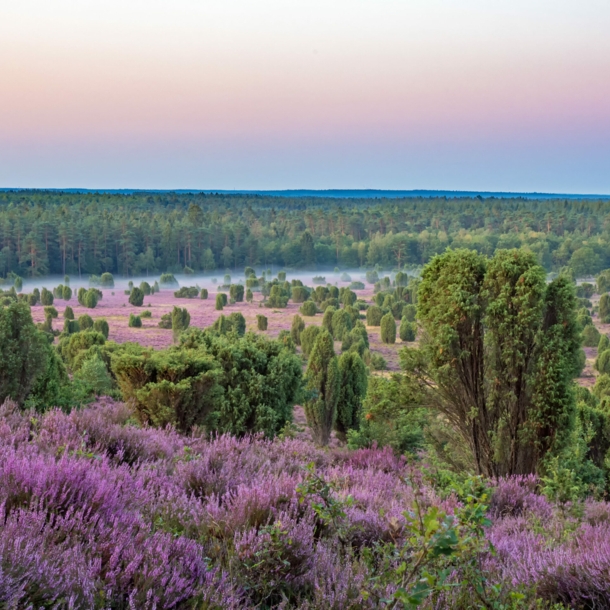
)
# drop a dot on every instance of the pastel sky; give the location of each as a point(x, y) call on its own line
point(272, 94)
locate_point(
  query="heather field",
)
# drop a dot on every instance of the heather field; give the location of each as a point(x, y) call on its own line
point(115, 308)
point(99, 513)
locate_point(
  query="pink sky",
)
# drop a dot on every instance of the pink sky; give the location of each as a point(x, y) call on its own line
point(292, 94)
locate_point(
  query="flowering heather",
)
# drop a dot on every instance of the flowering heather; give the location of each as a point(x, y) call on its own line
point(100, 513)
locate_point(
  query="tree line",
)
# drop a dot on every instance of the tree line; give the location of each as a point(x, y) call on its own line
point(82, 234)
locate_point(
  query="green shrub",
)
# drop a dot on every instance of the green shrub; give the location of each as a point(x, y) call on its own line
point(107, 280)
point(276, 298)
point(604, 343)
point(308, 308)
point(220, 301)
point(602, 362)
point(236, 292)
point(295, 330)
point(341, 324)
point(327, 319)
point(357, 286)
point(101, 326)
point(146, 314)
point(348, 297)
point(135, 321)
point(145, 288)
point(85, 322)
point(604, 308)
point(187, 292)
point(319, 279)
point(407, 330)
point(590, 336)
point(51, 312)
point(168, 280)
point(166, 321)
point(181, 320)
point(378, 362)
point(388, 329)
point(204, 293)
point(68, 313)
point(352, 389)
point(300, 294)
point(70, 326)
point(234, 322)
point(374, 315)
point(261, 322)
point(409, 311)
point(249, 296)
point(308, 338)
point(66, 293)
point(46, 297)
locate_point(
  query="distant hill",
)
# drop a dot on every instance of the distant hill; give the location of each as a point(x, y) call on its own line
point(339, 193)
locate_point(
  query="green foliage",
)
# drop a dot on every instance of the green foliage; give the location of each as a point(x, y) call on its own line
point(323, 385)
point(134, 321)
point(352, 389)
point(101, 326)
point(181, 320)
point(85, 322)
point(146, 314)
point(378, 362)
point(236, 292)
point(604, 308)
point(145, 288)
point(297, 327)
point(68, 313)
point(408, 330)
point(388, 329)
point(94, 375)
point(261, 322)
point(357, 340)
point(136, 297)
point(249, 296)
point(107, 280)
point(357, 286)
point(187, 292)
point(224, 383)
point(24, 352)
point(90, 298)
point(327, 319)
point(46, 297)
point(204, 293)
point(70, 327)
point(374, 315)
point(234, 322)
point(166, 321)
point(276, 297)
point(604, 343)
point(66, 293)
point(51, 312)
point(390, 416)
point(590, 336)
point(167, 280)
point(308, 338)
point(498, 320)
point(308, 308)
point(220, 301)
point(602, 362)
point(70, 346)
point(348, 297)
point(603, 282)
point(299, 294)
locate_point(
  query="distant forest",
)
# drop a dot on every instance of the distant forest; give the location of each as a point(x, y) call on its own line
point(80, 234)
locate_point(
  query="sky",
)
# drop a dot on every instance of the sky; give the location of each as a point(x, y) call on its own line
point(495, 95)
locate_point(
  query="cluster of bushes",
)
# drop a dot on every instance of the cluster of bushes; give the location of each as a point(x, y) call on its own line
point(62, 292)
point(89, 298)
point(187, 292)
point(106, 280)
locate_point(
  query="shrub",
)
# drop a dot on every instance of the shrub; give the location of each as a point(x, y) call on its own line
point(319, 279)
point(51, 312)
point(107, 280)
point(85, 322)
point(327, 319)
point(136, 297)
point(295, 330)
point(46, 297)
point(281, 276)
point(261, 322)
point(409, 311)
point(101, 326)
point(322, 384)
point(276, 298)
point(602, 362)
point(604, 308)
point(90, 298)
point(204, 293)
point(134, 321)
point(220, 301)
point(68, 313)
point(167, 280)
point(604, 343)
point(66, 293)
point(308, 308)
point(187, 292)
point(166, 321)
point(374, 315)
point(591, 336)
point(234, 322)
point(181, 320)
point(407, 330)
point(308, 338)
point(236, 292)
point(249, 296)
point(341, 324)
point(24, 352)
point(357, 286)
point(378, 362)
point(300, 294)
point(352, 389)
point(388, 329)
point(145, 288)
point(401, 279)
point(70, 326)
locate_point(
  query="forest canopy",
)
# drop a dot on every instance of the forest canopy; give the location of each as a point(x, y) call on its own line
point(57, 233)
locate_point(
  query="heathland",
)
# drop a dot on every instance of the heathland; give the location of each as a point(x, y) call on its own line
point(213, 401)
